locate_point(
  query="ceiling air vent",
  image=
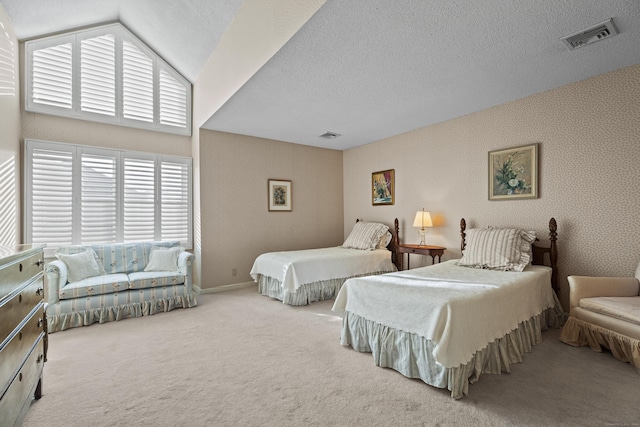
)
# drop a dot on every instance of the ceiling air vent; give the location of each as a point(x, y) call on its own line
point(590, 35)
point(329, 135)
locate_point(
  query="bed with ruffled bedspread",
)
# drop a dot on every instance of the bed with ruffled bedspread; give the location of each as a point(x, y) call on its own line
point(306, 276)
point(448, 323)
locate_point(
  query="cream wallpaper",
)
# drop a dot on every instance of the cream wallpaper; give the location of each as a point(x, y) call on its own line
point(589, 136)
point(10, 133)
point(72, 131)
point(236, 225)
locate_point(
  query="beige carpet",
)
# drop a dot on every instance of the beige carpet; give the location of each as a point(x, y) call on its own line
point(242, 359)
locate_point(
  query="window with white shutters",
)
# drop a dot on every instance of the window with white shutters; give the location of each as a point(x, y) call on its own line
point(76, 194)
point(175, 184)
point(52, 77)
point(137, 84)
point(106, 74)
point(49, 179)
point(173, 96)
point(98, 75)
point(139, 198)
point(98, 197)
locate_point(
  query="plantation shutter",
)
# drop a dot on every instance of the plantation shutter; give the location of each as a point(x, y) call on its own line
point(137, 84)
point(174, 201)
point(51, 201)
point(98, 199)
point(52, 76)
point(7, 64)
point(139, 199)
point(98, 75)
point(173, 101)
point(79, 195)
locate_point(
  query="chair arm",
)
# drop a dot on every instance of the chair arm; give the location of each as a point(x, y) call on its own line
point(185, 261)
point(587, 287)
point(57, 276)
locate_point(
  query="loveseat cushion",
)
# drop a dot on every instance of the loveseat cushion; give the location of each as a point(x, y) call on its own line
point(152, 279)
point(97, 285)
point(623, 308)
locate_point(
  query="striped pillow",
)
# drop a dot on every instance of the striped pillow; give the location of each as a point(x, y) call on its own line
point(365, 235)
point(507, 249)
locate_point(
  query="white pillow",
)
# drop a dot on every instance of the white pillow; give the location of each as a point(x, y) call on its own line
point(82, 265)
point(365, 235)
point(507, 249)
point(384, 240)
point(164, 259)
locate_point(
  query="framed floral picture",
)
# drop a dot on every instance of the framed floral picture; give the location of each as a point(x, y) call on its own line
point(382, 187)
point(513, 173)
point(279, 195)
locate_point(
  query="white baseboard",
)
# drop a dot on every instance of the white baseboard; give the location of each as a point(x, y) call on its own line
point(223, 288)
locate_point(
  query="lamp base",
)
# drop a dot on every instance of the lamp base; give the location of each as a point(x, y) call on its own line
point(423, 234)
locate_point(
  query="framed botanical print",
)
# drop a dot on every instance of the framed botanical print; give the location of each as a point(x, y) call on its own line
point(382, 187)
point(513, 173)
point(279, 195)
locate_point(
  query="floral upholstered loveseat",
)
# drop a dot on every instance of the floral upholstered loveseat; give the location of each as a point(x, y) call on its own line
point(107, 282)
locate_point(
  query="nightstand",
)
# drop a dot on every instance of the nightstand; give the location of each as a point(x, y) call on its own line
point(432, 251)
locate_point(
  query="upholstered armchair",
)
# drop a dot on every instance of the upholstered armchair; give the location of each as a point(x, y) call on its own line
point(605, 312)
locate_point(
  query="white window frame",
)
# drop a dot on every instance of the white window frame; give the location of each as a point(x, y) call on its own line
point(76, 152)
point(120, 34)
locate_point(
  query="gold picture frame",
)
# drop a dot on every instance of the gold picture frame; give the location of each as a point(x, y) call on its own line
point(383, 187)
point(513, 173)
point(279, 195)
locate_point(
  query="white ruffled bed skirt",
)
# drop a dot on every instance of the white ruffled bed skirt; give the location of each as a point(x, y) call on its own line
point(62, 321)
point(412, 355)
point(305, 294)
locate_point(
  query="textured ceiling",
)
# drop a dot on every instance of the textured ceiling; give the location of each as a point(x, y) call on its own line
point(369, 69)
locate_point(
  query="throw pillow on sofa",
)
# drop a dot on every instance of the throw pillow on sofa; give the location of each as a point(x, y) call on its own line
point(82, 265)
point(164, 259)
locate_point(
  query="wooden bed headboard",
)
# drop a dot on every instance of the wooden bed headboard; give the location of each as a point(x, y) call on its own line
point(538, 251)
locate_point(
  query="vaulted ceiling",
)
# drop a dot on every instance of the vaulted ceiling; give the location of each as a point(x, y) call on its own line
point(368, 69)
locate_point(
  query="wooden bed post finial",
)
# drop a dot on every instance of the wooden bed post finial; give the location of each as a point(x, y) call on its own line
point(553, 252)
point(463, 226)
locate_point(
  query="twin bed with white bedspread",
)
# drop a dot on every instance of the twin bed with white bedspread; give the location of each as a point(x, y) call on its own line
point(448, 323)
point(310, 275)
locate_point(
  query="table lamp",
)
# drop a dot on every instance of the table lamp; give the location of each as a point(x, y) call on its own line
point(423, 220)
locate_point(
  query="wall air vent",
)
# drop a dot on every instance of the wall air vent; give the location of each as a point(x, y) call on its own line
point(590, 35)
point(330, 135)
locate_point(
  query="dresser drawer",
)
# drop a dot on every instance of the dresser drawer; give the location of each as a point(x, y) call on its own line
point(16, 350)
point(18, 272)
point(16, 401)
point(16, 308)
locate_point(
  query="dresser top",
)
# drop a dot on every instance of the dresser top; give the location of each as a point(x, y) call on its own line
point(13, 252)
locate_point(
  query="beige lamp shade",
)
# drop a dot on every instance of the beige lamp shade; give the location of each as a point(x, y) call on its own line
point(423, 219)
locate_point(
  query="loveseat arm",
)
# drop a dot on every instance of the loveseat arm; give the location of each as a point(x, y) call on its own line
point(57, 276)
point(185, 261)
point(588, 287)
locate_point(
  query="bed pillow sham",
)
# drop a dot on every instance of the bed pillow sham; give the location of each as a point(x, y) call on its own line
point(365, 235)
point(384, 241)
point(506, 249)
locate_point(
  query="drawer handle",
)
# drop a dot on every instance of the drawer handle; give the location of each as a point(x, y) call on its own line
point(40, 291)
point(39, 263)
point(40, 323)
point(39, 359)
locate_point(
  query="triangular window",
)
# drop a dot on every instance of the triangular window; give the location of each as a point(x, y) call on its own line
point(106, 74)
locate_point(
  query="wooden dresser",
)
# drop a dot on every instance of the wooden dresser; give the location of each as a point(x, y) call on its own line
point(23, 335)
